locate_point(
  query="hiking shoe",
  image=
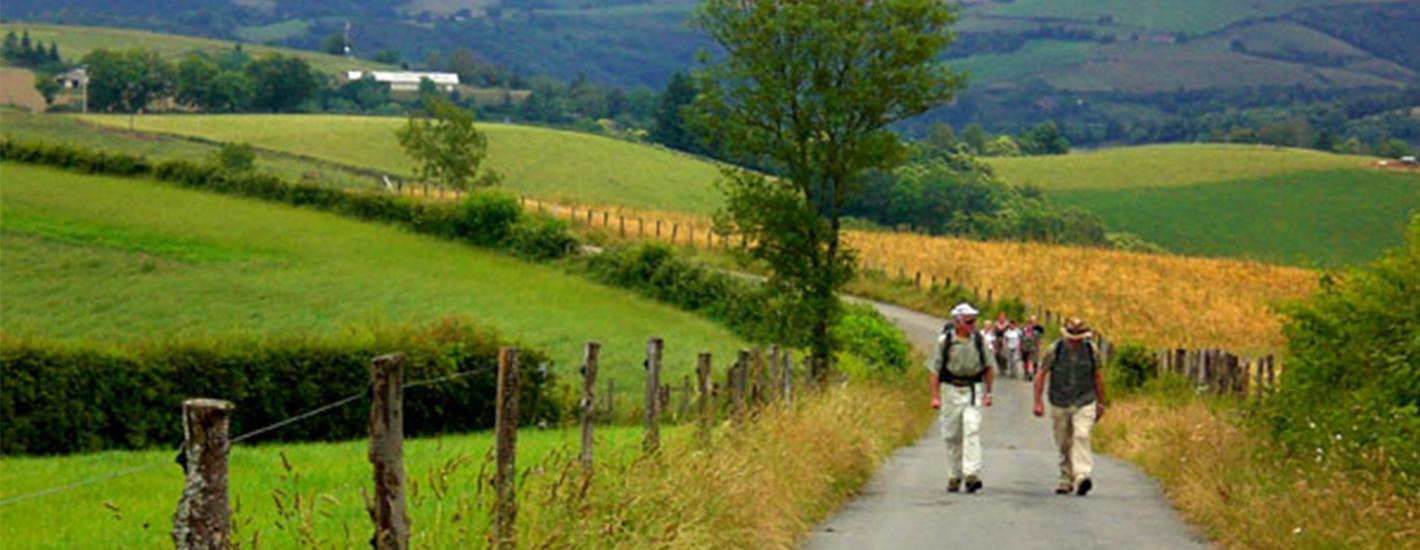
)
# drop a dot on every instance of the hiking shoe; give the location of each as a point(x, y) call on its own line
point(1064, 488)
point(1085, 486)
point(954, 485)
point(973, 484)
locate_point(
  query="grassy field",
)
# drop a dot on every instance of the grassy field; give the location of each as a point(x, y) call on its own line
point(119, 259)
point(552, 164)
point(22, 126)
point(1196, 17)
point(1171, 165)
point(76, 41)
point(136, 511)
point(1329, 217)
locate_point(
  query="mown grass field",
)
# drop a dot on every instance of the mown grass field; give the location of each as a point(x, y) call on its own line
point(57, 129)
point(120, 259)
point(1327, 218)
point(1172, 165)
point(551, 164)
point(135, 511)
point(77, 41)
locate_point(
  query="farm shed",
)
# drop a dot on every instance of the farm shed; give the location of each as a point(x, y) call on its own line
point(406, 81)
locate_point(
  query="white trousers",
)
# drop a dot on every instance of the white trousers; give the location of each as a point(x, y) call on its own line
point(1072, 436)
point(961, 429)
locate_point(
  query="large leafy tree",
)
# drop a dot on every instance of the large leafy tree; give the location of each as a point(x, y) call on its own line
point(811, 87)
point(126, 80)
point(446, 147)
point(281, 83)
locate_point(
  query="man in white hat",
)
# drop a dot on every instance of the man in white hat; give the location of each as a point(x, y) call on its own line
point(962, 369)
point(1076, 402)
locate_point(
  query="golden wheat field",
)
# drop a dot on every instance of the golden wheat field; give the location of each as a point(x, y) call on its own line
point(1159, 300)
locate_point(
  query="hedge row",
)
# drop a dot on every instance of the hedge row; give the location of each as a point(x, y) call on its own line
point(65, 397)
point(485, 218)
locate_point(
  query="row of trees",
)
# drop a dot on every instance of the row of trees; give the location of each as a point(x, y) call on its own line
point(21, 52)
point(137, 79)
point(1042, 139)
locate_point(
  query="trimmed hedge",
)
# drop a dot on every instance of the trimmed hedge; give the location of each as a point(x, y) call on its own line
point(485, 218)
point(63, 397)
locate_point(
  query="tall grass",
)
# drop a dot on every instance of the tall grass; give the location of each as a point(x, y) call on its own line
point(1226, 476)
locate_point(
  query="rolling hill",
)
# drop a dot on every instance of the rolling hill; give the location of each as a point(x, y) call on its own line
point(124, 259)
point(551, 164)
point(1290, 206)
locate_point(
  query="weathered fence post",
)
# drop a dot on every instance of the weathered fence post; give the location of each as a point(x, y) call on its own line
point(203, 517)
point(702, 377)
point(675, 228)
point(652, 441)
point(589, 385)
point(606, 218)
point(387, 452)
point(771, 375)
point(786, 362)
point(756, 377)
point(683, 411)
point(658, 230)
point(640, 227)
point(621, 223)
point(505, 504)
point(738, 380)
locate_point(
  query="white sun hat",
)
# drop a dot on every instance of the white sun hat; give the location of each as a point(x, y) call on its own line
point(963, 310)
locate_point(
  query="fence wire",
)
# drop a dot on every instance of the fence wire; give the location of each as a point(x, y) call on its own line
point(241, 438)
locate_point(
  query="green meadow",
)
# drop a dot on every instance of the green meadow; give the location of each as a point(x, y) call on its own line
point(113, 259)
point(552, 164)
point(447, 477)
point(1174, 165)
point(1327, 218)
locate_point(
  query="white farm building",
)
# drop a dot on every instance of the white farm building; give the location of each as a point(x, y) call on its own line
point(407, 81)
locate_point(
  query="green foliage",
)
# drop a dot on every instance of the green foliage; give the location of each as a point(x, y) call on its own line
point(202, 84)
point(444, 144)
point(236, 157)
point(487, 217)
point(670, 127)
point(864, 332)
point(70, 397)
point(47, 87)
point(281, 83)
point(1045, 139)
point(1131, 366)
point(1002, 146)
point(541, 238)
point(1393, 149)
point(126, 80)
point(1349, 392)
point(812, 87)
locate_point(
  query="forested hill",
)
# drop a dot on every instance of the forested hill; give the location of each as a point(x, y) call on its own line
point(1107, 70)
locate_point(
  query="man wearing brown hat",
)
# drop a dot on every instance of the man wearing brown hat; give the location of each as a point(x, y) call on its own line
point(1076, 402)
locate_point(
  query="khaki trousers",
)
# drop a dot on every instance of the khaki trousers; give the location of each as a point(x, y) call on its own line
point(1072, 436)
point(961, 429)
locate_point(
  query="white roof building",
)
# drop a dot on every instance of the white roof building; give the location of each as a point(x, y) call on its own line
point(407, 81)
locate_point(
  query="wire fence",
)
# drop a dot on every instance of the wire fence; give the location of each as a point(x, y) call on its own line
point(239, 439)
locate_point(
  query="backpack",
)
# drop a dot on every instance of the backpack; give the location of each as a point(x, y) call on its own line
point(945, 375)
point(1089, 349)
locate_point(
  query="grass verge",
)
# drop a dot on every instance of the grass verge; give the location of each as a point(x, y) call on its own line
point(1226, 477)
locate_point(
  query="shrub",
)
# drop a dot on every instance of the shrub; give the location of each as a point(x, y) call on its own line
point(72, 397)
point(1131, 366)
point(540, 238)
point(236, 157)
point(1349, 394)
point(486, 217)
point(864, 332)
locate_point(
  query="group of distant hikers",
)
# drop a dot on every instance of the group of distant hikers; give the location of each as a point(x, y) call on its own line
point(964, 363)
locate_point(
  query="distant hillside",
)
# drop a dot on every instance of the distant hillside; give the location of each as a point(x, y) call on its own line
point(75, 42)
point(1110, 71)
point(1289, 206)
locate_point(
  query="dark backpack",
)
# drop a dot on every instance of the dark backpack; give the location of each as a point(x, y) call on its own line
point(945, 375)
point(1089, 350)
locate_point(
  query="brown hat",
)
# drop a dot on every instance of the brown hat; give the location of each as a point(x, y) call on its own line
point(1076, 329)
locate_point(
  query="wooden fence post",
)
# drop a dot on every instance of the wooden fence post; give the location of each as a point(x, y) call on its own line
point(652, 441)
point(203, 517)
point(387, 452)
point(675, 228)
point(702, 377)
point(683, 411)
point(590, 213)
point(606, 218)
point(589, 384)
point(505, 504)
point(786, 376)
point(658, 230)
point(771, 374)
point(738, 380)
point(621, 223)
point(640, 227)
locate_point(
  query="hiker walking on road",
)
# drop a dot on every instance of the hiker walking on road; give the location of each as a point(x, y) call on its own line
point(1077, 401)
point(962, 368)
point(1030, 346)
point(1013, 351)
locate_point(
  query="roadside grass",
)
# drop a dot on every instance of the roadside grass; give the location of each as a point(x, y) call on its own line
point(89, 257)
point(759, 484)
point(77, 41)
point(60, 129)
point(555, 165)
point(1175, 165)
point(1329, 218)
point(1226, 477)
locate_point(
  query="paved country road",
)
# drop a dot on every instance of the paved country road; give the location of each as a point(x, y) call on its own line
point(906, 504)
